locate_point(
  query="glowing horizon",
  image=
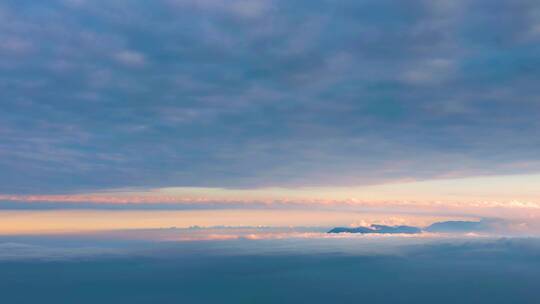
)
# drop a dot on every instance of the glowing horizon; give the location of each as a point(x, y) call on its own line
point(490, 191)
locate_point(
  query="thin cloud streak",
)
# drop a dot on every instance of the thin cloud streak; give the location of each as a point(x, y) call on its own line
point(127, 200)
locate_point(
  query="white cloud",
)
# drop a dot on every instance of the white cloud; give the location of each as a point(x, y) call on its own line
point(238, 8)
point(15, 45)
point(130, 58)
point(431, 71)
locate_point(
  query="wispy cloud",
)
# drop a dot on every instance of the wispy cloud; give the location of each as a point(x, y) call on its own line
point(130, 58)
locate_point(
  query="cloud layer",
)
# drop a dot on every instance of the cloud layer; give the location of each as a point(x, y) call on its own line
point(109, 94)
point(504, 271)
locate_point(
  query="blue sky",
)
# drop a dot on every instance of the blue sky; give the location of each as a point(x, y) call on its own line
point(101, 95)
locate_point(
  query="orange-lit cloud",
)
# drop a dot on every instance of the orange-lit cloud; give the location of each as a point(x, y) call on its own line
point(513, 191)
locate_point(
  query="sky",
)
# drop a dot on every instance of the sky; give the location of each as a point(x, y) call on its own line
point(416, 107)
point(269, 151)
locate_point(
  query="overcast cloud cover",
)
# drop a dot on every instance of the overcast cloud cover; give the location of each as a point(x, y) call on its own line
point(108, 94)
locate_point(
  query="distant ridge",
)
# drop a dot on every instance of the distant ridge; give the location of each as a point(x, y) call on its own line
point(457, 226)
point(441, 227)
point(378, 229)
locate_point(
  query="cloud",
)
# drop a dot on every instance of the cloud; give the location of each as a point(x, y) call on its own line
point(311, 271)
point(130, 58)
point(15, 45)
point(237, 8)
point(22, 251)
point(250, 241)
point(499, 249)
point(433, 71)
point(248, 94)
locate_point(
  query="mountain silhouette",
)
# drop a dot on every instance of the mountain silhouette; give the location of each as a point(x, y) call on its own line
point(378, 229)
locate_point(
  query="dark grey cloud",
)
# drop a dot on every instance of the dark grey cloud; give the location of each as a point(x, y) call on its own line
point(107, 94)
